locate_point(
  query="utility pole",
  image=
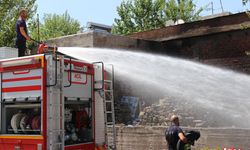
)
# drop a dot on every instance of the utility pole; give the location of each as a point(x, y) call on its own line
point(221, 6)
point(38, 26)
point(212, 5)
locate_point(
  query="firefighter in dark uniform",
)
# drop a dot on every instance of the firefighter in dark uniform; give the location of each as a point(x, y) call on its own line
point(174, 133)
point(22, 32)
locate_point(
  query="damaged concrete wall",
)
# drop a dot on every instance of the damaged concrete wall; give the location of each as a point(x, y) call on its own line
point(227, 49)
point(152, 138)
point(122, 42)
point(76, 40)
point(222, 45)
point(216, 41)
point(104, 39)
point(196, 28)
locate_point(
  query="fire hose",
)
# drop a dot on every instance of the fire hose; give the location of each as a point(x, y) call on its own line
point(191, 136)
point(43, 47)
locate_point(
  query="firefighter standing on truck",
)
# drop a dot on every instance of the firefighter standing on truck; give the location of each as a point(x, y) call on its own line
point(22, 32)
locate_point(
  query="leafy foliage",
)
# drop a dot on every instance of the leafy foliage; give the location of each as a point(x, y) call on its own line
point(139, 15)
point(54, 26)
point(9, 10)
point(183, 9)
point(142, 15)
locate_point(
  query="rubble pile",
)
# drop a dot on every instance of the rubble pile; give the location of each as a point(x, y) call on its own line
point(190, 115)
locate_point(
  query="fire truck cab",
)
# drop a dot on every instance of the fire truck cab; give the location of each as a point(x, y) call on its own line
point(53, 102)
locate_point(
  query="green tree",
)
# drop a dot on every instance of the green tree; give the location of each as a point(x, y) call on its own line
point(182, 9)
point(139, 15)
point(142, 15)
point(9, 10)
point(54, 25)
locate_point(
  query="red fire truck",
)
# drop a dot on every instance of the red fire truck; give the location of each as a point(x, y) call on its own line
point(55, 102)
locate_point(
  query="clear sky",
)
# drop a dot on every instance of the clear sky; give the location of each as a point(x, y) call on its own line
point(104, 11)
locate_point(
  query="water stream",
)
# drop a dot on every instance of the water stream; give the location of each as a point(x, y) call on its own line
point(223, 93)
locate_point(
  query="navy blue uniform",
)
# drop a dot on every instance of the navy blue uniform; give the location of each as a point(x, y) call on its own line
point(20, 39)
point(172, 136)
